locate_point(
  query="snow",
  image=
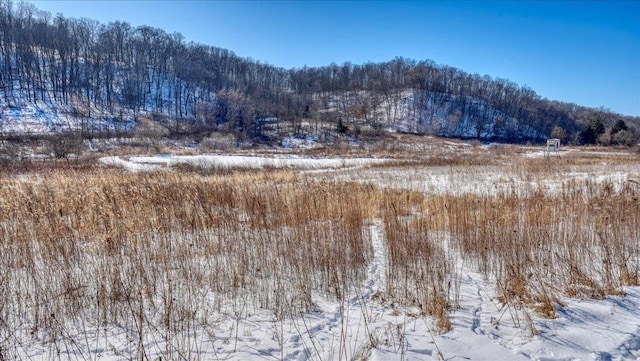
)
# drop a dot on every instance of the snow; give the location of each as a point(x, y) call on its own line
point(401, 111)
point(585, 329)
point(131, 166)
point(362, 327)
point(150, 163)
point(46, 117)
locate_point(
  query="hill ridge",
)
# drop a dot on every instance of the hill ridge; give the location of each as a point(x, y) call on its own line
point(60, 74)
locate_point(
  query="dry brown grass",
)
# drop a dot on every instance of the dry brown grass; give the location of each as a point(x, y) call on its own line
point(582, 241)
point(164, 253)
point(171, 250)
point(95, 214)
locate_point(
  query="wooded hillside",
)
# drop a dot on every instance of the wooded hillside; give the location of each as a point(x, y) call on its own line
point(110, 76)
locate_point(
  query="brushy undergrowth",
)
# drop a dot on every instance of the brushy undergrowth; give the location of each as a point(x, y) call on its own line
point(165, 253)
point(583, 240)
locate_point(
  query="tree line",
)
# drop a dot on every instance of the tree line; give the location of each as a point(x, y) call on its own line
point(120, 71)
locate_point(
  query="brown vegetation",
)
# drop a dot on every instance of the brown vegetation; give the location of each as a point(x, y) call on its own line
point(164, 253)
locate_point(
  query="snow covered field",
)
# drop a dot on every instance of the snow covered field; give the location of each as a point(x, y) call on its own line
point(365, 325)
point(151, 163)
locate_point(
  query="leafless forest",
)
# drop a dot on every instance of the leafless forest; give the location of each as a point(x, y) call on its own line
point(124, 75)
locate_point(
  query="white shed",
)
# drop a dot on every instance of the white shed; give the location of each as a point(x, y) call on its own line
point(553, 146)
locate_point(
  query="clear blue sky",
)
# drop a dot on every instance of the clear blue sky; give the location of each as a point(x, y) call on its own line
point(585, 52)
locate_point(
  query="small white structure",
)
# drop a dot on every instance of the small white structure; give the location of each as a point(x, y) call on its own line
point(553, 146)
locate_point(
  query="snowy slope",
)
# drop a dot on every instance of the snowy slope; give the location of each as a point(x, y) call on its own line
point(49, 117)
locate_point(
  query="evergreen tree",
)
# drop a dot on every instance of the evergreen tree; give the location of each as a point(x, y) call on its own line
point(618, 126)
point(592, 131)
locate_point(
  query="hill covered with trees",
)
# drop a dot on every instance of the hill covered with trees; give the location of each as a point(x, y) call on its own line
point(67, 74)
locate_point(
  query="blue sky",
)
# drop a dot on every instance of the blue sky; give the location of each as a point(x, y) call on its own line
point(585, 52)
